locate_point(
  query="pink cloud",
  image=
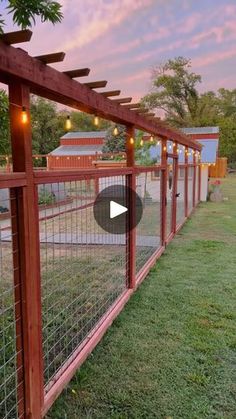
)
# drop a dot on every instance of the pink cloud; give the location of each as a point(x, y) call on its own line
point(213, 58)
point(99, 19)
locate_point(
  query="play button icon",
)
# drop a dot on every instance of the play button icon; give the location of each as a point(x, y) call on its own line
point(112, 209)
point(116, 209)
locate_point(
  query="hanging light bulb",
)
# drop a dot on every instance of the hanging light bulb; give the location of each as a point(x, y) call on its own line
point(68, 123)
point(141, 142)
point(115, 131)
point(164, 148)
point(151, 139)
point(131, 140)
point(96, 121)
point(24, 116)
point(158, 142)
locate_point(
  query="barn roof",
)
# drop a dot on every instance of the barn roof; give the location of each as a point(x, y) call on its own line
point(76, 150)
point(201, 130)
point(83, 134)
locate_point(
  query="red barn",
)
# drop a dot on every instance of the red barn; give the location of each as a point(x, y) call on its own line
point(76, 150)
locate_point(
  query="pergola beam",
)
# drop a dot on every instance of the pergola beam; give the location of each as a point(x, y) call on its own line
point(96, 84)
point(51, 58)
point(16, 37)
point(80, 72)
point(123, 100)
point(111, 93)
point(47, 82)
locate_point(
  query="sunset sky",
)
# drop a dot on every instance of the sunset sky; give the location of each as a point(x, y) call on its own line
point(121, 40)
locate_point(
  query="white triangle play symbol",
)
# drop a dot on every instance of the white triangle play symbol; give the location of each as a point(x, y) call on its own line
point(116, 209)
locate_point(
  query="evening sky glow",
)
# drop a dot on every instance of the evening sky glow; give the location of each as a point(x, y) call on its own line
point(121, 40)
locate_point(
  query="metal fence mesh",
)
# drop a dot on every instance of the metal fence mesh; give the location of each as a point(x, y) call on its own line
point(83, 268)
point(148, 187)
point(169, 197)
point(11, 370)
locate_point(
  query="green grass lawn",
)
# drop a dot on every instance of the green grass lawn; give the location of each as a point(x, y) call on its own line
point(172, 351)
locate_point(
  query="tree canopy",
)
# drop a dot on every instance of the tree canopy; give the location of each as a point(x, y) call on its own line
point(25, 12)
point(175, 92)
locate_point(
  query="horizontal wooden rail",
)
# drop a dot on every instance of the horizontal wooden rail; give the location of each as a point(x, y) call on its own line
point(12, 180)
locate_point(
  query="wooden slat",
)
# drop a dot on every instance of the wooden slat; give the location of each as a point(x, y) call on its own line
point(141, 110)
point(124, 100)
point(111, 93)
point(80, 72)
point(96, 84)
point(132, 106)
point(150, 114)
point(51, 58)
point(16, 37)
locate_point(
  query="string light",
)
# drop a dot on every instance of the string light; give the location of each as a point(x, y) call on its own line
point(131, 140)
point(68, 123)
point(164, 148)
point(151, 139)
point(141, 142)
point(158, 142)
point(24, 116)
point(96, 121)
point(115, 131)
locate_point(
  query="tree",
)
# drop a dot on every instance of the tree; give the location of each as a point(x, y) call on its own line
point(47, 125)
point(115, 143)
point(85, 122)
point(5, 147)
point(24, 12)
point(174, 91)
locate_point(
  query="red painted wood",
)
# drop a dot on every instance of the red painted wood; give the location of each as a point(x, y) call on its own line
point(174, 189)
point(26, 229)
point(194, 180)
point(82, 141)
point(186, 182)
point(52, 84)
point(200, 182)
point(204, 136)
point(131, 234)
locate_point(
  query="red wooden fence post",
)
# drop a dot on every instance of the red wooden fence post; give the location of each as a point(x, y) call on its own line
point(175, 183)
point(131, 236)
point(199, 178)
point(194, 179)
point(163, 191)
point(186, 181)
point(26, 229)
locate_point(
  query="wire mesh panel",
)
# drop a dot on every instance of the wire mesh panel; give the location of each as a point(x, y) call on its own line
point(83, 268)
point(148, 187)
point(11, 369)
point(180, 215)
point(169, 197)
point(190, 189)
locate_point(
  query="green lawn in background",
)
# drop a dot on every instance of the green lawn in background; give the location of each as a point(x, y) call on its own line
point(172, 351)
